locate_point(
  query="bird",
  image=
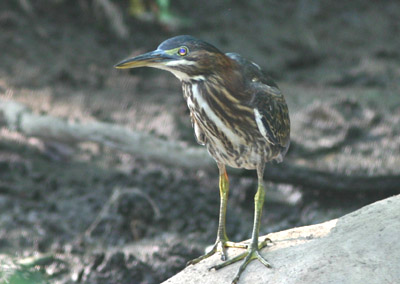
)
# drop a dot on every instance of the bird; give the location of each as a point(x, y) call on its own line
point(238, 113)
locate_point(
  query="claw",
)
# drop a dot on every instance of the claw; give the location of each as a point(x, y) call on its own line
point(248, 256)
point(264, 243)
point(219, 246)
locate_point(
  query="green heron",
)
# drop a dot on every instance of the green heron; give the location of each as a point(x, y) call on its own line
point(237, 112)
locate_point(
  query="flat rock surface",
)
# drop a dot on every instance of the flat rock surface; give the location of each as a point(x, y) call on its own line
point(361, 247)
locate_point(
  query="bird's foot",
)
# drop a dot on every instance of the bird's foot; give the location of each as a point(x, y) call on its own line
point(251, 254)
point(219, 246)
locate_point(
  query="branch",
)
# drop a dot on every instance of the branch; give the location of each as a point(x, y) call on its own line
point(19, 118)
point(114, 16)
point(327, 181)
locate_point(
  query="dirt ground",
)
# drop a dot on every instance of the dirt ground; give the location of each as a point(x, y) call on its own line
point(89, 214)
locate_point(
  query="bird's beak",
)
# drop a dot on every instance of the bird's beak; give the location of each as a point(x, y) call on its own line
point(150, 59)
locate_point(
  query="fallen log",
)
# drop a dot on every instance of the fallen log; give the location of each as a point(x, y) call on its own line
point(18, 117)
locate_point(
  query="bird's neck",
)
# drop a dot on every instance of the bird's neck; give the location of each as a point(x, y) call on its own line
point(214, 86)
point(223, 70)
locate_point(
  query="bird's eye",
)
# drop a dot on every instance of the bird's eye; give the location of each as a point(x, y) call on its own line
point(182, 51)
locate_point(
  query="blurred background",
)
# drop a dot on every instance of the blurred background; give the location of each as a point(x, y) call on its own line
point(84, 212)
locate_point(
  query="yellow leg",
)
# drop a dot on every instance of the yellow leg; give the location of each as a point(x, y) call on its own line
point(222, 240)
point(252, 252)
point(223, 192)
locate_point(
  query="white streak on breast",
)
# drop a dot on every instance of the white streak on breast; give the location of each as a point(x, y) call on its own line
point(233, 138)
point(198, 78)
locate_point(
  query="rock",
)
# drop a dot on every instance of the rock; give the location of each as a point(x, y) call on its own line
point(361, 247)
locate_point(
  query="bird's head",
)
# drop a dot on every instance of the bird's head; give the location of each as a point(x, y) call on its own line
point(186, 57)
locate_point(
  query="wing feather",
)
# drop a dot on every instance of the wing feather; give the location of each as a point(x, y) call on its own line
point(269, 106)
point(272, 117)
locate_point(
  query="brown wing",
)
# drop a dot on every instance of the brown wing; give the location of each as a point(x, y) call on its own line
point(270, 109)
point(272, 116)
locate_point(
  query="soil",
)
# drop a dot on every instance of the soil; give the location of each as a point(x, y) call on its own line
point(88, 214)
